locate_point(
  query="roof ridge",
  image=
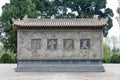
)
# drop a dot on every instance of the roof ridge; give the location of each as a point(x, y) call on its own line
point(60, 22)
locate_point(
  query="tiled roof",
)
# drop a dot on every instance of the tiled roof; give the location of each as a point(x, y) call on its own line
point(26, 22)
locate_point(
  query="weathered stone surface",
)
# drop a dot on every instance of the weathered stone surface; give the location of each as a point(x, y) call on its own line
point(60, 44)
point(60, 66)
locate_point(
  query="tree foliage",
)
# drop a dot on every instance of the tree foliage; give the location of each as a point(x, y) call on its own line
point(16, 9)
point(8, 57)
point(49, 9)
point(115, 58)
point(118, 10)
point(106, 51)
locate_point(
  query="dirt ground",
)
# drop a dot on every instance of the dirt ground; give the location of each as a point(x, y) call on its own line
point(7, 72)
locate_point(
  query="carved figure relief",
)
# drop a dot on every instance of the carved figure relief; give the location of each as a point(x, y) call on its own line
point(68, 44)
point(52, 44)
point(85, 44)
point(35, 44)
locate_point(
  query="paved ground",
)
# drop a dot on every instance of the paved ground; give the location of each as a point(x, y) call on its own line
point(7, 72)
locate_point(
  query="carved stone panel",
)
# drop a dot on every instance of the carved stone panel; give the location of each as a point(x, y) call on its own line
point(35, 44)
point(68, 44)
point(59, 45)
point(85, 44)
point(52, 44)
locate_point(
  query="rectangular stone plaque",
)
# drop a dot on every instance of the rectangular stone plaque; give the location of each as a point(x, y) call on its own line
point(85, 44)
point(61, 45)
point(52, 44)
point(68, 44)
point(35, 44)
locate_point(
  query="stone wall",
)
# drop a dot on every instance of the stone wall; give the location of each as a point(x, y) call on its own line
point(60, 44)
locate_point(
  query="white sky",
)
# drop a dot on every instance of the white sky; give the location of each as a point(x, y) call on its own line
point(113, 4)
point(115, 30)
point(2, 2)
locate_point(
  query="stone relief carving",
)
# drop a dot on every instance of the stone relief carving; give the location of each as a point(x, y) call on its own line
point(52, 44)
point(35, 44)
point(85, 44)
point(68, 44)
point(56, 44)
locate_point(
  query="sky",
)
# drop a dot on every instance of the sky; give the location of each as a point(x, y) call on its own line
point(113, 4)
point(115, 30)
point(2, 2)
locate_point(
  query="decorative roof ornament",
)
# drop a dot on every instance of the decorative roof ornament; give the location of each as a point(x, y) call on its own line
point(25, 18)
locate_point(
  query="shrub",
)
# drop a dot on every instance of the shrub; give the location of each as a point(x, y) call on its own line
point(107, 53)
point(115, 58)
point(8, 57)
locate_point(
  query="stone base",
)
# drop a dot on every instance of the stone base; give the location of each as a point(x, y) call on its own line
point(60, 66)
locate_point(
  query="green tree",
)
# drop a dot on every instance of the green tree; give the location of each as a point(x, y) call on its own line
point(46, 8)
point(115, 58)
point(49, 9)
point(8, 57)
point(15, 9)
point(106, 53)
point(118, 10)
point(79, 9)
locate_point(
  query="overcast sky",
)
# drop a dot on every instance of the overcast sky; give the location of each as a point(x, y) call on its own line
point(115, 30)
point(113, 4)
point(2, 2)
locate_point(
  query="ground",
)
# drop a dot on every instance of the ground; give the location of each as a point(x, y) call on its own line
point(7, 72)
